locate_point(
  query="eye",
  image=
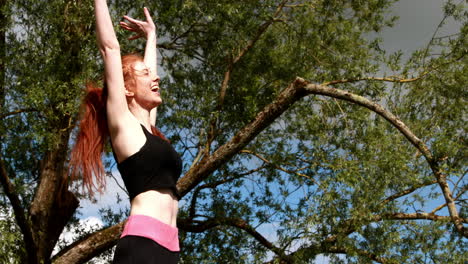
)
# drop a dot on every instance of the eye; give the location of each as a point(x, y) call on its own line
point(144, 72)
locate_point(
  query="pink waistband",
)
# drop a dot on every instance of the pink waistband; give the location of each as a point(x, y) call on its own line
point(149, 227)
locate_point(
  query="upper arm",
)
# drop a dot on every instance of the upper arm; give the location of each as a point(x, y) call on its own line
point(110, 51)
point(117, 106)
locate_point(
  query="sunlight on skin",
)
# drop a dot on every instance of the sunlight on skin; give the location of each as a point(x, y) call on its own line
point(417, 22)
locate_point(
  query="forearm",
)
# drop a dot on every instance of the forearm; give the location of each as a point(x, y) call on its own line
point(105, 31)
point(150, 60)
point(145, 29)
point(151, 53)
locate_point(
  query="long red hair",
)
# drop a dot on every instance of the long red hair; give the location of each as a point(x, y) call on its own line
point(86, 155)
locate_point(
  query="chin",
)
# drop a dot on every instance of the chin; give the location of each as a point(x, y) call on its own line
point(158, 103)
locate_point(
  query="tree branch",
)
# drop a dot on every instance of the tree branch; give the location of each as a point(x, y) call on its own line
point(439, 26)
point(414, 216)
point(53, 204)
point(249, 46)
point(214, 185)
point(383, 79)
point(362, 101)
point(224, 153)
point(294, 92)
point(19, 111)
point(230, 68)
point(394, 79)
point(444, 205)
point(18, 209)
point(8, 186)
point(398, 124)
point(88, 247)
point(305, 253)
point(407, 191)
point(279, 167)
point(233, 222)
point(185, 33)
point(349, 226)
point(319, 248)
point(373, 256)
point(298, 89)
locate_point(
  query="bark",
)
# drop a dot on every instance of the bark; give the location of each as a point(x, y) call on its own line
point(90, 246)
point(53, 205)
point(18, 210)
point(19, 111)
point(456, 219)
point(203, 169)
point(264, 118)
point(362, 101)
point(8, 186)
point(413, 139)
point(3, 21)
point(294, 92)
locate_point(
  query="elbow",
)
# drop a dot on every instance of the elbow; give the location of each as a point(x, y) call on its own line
point(106, 43)
point(109, 49)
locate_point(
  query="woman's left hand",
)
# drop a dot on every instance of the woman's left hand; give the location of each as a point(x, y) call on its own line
point(141, 28)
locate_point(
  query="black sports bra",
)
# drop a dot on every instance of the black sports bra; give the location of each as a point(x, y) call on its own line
point(155, 166)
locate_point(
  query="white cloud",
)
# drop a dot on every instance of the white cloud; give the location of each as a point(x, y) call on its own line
point(71, 234)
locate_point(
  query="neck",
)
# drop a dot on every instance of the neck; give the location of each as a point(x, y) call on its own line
point(141, 114)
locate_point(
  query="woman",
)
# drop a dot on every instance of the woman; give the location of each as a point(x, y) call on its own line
point(126, 111)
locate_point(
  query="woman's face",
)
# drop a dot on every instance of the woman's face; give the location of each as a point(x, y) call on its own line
point(146, 92)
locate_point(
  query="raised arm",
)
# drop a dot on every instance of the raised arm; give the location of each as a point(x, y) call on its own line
point(145, 29)
point(110, 51)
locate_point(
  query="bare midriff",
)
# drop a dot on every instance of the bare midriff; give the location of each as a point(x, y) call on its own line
point(160, 204)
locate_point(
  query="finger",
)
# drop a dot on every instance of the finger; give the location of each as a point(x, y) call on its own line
point(147, 14)
point(134, 37)
point(127, 27)
point(132, 20)
point(125, 24)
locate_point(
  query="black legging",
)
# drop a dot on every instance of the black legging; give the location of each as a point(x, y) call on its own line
point(142, 250)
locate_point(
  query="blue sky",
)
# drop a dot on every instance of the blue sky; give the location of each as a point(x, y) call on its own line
point(418, 20)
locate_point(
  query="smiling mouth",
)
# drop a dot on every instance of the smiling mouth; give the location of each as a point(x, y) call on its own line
point(155, 88)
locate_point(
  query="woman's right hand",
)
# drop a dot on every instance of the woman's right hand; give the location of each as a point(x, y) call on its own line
point(141, 28)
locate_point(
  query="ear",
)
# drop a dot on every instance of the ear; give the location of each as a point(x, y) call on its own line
point(128, 93)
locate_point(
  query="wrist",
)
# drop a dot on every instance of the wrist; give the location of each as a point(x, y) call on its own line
point(151, 34)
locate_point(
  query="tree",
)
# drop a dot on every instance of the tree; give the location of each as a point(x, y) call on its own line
point(284, 119)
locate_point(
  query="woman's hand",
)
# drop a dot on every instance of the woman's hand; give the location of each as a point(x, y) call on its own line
point(141, 28)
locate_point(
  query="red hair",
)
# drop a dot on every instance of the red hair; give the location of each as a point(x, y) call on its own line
point(86, 156)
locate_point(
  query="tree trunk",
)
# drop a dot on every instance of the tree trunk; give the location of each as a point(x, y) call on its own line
point(53, 205)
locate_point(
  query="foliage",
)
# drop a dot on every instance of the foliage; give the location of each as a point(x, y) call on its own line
point(326, 177)
point(11, 238)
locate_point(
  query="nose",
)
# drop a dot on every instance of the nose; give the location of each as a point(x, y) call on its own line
point(156, 78)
